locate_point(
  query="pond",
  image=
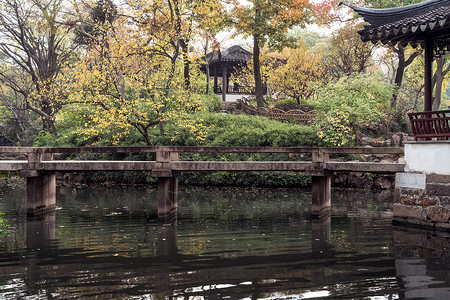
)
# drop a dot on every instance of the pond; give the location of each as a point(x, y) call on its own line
point(104, 243)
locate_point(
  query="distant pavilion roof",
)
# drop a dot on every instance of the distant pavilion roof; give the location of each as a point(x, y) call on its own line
point(233, 54)
point(410, 24)
point(230, 58)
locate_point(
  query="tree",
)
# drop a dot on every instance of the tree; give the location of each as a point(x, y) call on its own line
point(33, 50)
point(442, 68)
point(179, 22)
point(126, 82)
point(294, 78)
point(348, 53)
point(404, 56)
point(267, 23)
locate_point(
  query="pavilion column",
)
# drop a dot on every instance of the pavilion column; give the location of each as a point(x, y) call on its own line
point(224, 83)
point(215, 79)
point(428, 74)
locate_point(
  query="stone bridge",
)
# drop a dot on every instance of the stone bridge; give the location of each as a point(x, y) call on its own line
point(40, 169)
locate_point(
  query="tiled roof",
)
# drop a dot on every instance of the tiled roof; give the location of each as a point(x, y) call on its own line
point(233, 54)
point(406, 25)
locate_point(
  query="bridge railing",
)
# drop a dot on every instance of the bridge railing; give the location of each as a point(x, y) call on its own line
point(430, 124)
point(315, 162)
point(200, 149)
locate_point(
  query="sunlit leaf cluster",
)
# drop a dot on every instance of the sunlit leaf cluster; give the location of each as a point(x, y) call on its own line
point(134, 72)
point(294, 78)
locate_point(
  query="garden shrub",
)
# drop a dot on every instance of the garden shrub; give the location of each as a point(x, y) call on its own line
point(223, 130)
point(348, 105)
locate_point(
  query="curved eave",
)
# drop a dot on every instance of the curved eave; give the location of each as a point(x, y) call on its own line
point(412, 30)
point(409, 32)
point(378, 17)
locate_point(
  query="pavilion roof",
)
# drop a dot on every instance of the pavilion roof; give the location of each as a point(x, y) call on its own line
point(410, 24)
point(233, 54)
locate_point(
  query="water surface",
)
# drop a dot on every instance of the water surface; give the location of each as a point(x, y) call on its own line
point(104, 243)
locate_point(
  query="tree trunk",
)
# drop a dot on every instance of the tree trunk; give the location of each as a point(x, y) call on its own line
point(402, 64)
point(207, 68)
point(399, 74)
point(186, 64)
point(48, 112)
point(257, 72)
point(207, 78)
point(439, 78)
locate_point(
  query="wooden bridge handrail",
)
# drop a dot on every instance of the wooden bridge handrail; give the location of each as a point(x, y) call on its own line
point(203, 149)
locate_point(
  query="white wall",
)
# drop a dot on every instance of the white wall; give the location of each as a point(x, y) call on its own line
point(234, 98)
point(428, 157)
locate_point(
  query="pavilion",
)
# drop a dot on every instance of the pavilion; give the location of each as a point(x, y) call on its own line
point(422, 192)
point(221, 64)
point(426, 24)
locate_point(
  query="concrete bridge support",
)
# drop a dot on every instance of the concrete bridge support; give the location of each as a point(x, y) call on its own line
point(167, 187)
point(41, 187)
point(41, 194)
point(167, 199)
point(321, 196)
point(321, 186)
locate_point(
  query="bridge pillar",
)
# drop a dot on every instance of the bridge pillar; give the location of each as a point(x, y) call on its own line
point(41, 194)
point(321, 185)
point(167, 199)
point(321, 195)
point(167, 187)
point(41, 188)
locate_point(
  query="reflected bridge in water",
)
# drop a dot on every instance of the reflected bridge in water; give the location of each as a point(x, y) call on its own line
point(413, 269)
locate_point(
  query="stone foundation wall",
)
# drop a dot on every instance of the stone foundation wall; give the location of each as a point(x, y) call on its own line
point(422, 200)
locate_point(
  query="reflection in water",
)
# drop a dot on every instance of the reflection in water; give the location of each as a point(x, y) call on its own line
point(422, 260)
point(231, 244)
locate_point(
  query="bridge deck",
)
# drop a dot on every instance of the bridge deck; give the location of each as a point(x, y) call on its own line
point(85, 166)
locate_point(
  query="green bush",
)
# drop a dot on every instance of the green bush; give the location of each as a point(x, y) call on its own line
point(347, 106)
point(223, 130)
point(4, 226)
point(243, 130)
point(289, 104)
point(246, 179)
point(211, 102)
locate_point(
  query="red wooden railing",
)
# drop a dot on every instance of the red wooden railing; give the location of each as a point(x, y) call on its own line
point(430, 124)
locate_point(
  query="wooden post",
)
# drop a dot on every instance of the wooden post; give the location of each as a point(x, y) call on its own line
point(321, 185)
point(428, 85)
point(41, 188)
point(224, 83)
point(167, 186)
point(215, 80)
